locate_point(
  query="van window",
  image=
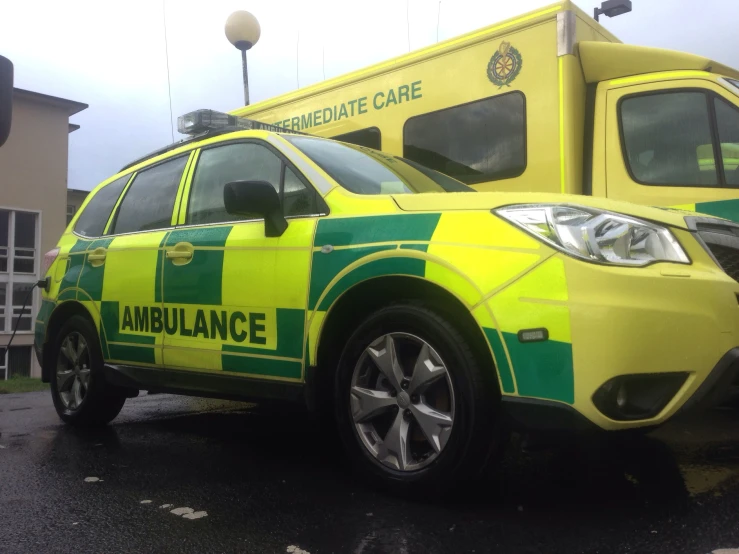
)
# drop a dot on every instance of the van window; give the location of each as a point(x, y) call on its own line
point(370, 137)
point(727, 121)
point(667, 139)
point(91, 222)
point(149, 201)
point(480, 141)
point(242, 162)
point(364, 170)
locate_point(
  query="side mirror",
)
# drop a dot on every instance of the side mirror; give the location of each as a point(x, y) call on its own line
point(256, 197)
point(6, 98)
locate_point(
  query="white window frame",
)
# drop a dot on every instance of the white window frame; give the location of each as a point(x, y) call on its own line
point(10, 277)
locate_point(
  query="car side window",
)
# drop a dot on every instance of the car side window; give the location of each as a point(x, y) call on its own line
point(149, 201)
point(667, 139)
point(221, 165)
point(298, 199)
point(243, 162)
point(91, 222)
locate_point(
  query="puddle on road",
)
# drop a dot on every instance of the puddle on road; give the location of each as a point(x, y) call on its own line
point(701, 479)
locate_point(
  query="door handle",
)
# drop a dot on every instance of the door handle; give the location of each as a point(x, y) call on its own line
point(97, 257)
point(179, 254)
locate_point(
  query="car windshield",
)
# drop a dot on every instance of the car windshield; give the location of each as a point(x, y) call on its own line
point(363, 170)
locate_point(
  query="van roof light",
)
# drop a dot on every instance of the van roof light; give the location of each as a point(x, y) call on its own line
point(202, 121)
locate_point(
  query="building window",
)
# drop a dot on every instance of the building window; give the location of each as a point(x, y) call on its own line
point(476, 142)
point(18, 268)
point(369, 137)
point(4, 240)
point(3, 296)
point(17, 362)
point(71, 210)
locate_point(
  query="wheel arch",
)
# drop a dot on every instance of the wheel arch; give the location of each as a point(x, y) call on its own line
point(356, 303)
point(58, 317)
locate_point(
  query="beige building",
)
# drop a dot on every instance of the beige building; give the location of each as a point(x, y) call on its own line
point(33, 196)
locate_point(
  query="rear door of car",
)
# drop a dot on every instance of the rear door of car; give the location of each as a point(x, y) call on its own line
point(131, 253)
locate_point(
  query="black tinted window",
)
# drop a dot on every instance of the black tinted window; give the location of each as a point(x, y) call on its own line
point(219, 166)
point(297, 199)
point(476, 142)
point(727, 119)
point(91, 222)
point(243, 162)
point(365, 137)
point(149, 201)
point(667, 139)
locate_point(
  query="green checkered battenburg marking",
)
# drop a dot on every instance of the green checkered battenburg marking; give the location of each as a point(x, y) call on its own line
point(363, 234)
point(542, 369)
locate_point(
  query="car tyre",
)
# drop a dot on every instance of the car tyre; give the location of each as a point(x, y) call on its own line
point(422, 337)
point(79, 390)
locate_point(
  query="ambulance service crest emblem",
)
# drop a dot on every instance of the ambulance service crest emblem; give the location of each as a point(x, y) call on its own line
point(505, 65)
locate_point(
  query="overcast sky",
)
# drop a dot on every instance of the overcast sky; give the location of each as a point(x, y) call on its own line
point(114, 58)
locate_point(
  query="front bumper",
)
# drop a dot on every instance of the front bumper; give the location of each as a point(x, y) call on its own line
point(606, 323)
point(526, 414)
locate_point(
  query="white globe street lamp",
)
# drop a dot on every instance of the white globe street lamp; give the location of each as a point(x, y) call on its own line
point(243, 30)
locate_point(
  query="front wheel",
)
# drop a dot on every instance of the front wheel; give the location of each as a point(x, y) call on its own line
point(78, 388)
point(415, 408)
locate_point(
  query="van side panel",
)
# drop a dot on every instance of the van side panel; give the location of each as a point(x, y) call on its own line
point(455, 78)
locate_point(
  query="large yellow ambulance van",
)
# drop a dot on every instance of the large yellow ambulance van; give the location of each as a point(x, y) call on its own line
point(547, 102)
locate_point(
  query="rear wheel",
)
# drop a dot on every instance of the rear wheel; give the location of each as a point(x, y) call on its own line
point(414, 407)
point(78, 387)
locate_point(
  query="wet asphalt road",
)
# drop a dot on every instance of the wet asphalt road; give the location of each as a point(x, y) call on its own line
point(275, 483)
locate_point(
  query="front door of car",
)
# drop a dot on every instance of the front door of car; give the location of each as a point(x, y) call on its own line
point(131, 257)
point(238, 297)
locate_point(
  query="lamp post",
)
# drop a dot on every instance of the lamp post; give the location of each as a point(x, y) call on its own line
point(242, 30)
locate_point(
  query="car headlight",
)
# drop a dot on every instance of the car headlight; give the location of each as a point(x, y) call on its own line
point(597, 235)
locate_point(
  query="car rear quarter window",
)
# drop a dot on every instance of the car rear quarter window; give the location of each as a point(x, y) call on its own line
point(91, 222)
point(149, 201)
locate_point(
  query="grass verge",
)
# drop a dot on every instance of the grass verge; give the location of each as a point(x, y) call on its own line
point(22, 384)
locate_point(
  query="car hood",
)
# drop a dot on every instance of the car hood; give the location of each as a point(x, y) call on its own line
point(489, 200)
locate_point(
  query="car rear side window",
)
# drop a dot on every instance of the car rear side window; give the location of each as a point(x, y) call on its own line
point(149, 201)
point(476, 142)
point(91, 222)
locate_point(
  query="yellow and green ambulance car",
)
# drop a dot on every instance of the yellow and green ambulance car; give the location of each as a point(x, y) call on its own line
point(549, 101)
point(427, 317)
